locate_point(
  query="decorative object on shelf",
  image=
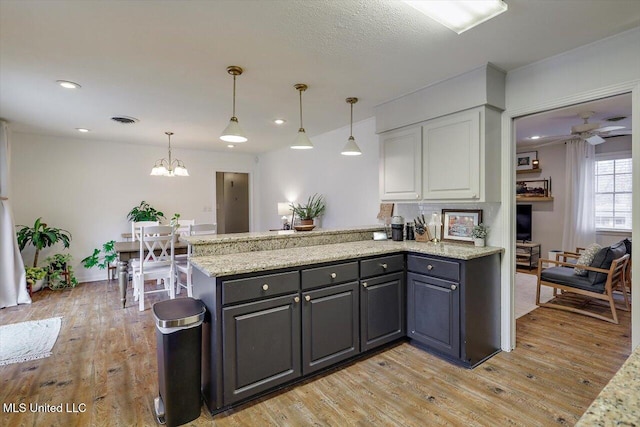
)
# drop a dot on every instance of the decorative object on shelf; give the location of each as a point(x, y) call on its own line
point(302, 141)
point(459, 223)
point(422, 233)
point(314, 207)
point(171, 167)
point(535, 163)
point(233, 132)
point(532, 189)
point(144, 212)
point(479, 234)
point(436, 223)
point(351, 148)
point(41, 236)
point(284, 210)
point(524, 161)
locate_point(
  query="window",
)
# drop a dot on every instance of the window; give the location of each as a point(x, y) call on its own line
point(613, 193)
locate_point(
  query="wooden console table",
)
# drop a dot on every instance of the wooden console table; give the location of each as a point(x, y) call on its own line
point(527, 255)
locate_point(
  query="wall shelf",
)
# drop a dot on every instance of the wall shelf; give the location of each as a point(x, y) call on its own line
point(528, 171)
point(534, 199)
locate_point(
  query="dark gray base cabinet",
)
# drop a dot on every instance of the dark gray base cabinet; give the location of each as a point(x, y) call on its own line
point(382, 310)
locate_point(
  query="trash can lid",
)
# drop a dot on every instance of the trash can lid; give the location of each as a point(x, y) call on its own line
point(179, 312)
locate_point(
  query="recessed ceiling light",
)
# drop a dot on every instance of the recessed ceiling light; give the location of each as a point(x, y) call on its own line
point(83, 130)
point(230, 145)
point(534, 137)
point(68, 85)
point(279, 121)
point(460, 15)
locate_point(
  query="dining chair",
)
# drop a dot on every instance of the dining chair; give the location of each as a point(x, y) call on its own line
point(136, 227)
point(156, 262)
point(184, 267)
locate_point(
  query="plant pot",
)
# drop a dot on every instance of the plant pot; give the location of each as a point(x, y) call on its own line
point(478, 242)
point(38, 285)
point(306, 222)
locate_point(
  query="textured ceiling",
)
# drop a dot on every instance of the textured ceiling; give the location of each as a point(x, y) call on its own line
point(164, 62)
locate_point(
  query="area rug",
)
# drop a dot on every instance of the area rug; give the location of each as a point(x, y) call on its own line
point(20, 342)
point(526, 293)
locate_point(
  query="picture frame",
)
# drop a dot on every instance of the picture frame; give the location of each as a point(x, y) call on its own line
point(532, 188)
point(457, 224)
point(524, 161)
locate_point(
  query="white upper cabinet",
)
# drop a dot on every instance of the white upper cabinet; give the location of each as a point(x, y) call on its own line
point(401, 164)
point(451, 157)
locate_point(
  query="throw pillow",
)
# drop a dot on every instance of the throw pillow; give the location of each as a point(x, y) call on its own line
point(586, 258)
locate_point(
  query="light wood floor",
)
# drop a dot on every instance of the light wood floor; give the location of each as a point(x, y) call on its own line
point(105, 358)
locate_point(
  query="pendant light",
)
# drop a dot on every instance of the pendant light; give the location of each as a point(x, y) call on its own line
point(164, 167)
point(351, 148)
point(233, 132)
point(302, 141)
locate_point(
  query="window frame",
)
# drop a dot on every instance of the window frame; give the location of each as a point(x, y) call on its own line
point(616, 155)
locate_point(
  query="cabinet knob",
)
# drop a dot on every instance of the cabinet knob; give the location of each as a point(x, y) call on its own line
point(265, 287)
point(384, 266)
point(296, 299)
point(307, 298)
point(454, 287)
point(364, 284)
point(334, 275)
point(429, 267)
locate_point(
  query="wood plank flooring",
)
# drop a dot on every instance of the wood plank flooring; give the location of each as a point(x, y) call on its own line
point(105, 359)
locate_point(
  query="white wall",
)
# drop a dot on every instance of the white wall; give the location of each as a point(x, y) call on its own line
point(88, 187)
point(349, 183)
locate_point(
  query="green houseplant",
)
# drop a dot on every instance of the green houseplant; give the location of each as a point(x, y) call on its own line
point(144, 212)
point(314, 207)
point(101, 258)
point(41, 236)
point(479, 234)
point(60, 272)
point(35, 277)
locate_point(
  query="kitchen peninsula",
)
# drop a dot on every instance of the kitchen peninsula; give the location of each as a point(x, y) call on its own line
point(282, 307)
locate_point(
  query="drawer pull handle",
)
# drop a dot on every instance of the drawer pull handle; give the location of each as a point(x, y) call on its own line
point(454, 287)
point(429, 267)
point(384, 266)
point(334, 275)
point(296, 299)
point(307, 298)
point(265, 287)
point(364, 284)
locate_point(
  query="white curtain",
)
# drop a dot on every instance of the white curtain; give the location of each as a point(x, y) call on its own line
point(13, 284)
point(579, 213)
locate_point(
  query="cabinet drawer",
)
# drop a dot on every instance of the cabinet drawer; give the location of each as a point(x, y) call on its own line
point(259, 287)
point(329, 275)
point(449, 270)
point(381, 265)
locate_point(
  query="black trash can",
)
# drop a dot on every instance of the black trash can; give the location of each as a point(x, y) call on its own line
point(179, 350)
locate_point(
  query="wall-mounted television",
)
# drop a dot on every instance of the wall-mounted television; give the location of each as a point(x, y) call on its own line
point(523, 222)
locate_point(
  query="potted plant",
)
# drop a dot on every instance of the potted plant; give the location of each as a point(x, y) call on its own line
point(60, 272)
point(101, 258)
point(35, 277)
point(41, 236)
point(479, 234)
point(144, 212)
point(314, 207)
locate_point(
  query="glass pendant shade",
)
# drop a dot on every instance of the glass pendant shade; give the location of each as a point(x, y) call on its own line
point(351, 148)
point(302, 141)
point(233, 132)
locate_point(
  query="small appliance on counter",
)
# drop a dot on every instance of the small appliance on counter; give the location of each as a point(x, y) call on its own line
point(397, 228)
point(410, 235)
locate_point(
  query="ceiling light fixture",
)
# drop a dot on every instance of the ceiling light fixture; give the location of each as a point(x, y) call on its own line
point(68, 85)
point(230, 145)
point(279, 121)
point(164, 167)
point(83, 130)
point(460, 15)
point(351, 148)
point(233, 131)
point(302, 141)
point(534, 137)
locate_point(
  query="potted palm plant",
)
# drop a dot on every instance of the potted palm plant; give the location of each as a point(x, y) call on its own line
point(41, 236)
point(307, 212)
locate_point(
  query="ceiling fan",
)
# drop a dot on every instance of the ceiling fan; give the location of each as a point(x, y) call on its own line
point(590, 132)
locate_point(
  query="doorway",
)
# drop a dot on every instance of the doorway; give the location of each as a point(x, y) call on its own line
point(232, 202)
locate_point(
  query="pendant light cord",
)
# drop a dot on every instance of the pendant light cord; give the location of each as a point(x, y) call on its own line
point(301, 126)
point(170, 162)
point(234, 95)
point(351, 123)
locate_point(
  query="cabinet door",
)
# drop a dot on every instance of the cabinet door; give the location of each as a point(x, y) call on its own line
point(451, 157)
point(400, 164)
point(261, 346)
point(330, 331)
point(382, 302)
point(433, 307)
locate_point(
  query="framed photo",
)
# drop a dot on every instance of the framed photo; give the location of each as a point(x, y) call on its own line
point(535, 188)
point(457, 224)
point(524, 161)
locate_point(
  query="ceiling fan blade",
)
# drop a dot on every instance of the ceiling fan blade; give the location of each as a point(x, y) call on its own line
point(609, 128)
point(595, 140)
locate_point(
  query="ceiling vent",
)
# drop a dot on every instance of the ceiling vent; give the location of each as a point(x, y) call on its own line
point(125, 120)
point(615, 119)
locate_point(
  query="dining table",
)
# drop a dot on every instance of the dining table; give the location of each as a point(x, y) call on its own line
point(127, 251)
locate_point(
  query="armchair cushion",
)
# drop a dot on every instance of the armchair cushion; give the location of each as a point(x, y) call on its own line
point(566, 276)
point(586, 258)
point(604, 258)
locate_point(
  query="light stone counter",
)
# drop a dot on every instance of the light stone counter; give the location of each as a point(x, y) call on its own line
point(249, 262)
point(618, 404)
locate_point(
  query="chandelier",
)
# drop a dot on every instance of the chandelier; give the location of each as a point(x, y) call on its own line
point(164, 167)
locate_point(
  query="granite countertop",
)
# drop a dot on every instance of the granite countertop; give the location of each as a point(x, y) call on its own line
point(249, 262)
point(618, 404)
